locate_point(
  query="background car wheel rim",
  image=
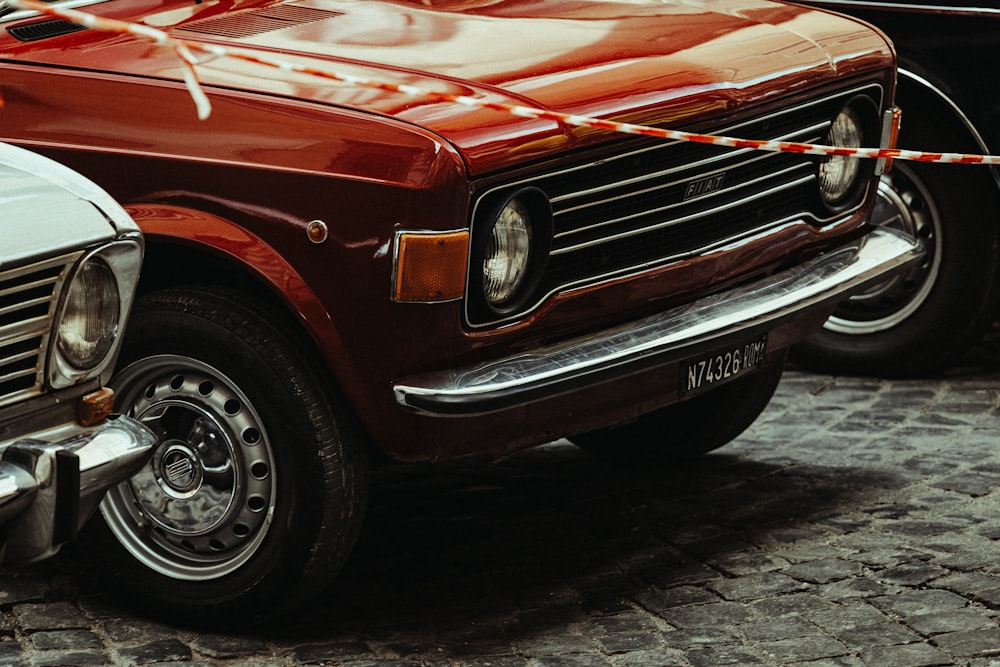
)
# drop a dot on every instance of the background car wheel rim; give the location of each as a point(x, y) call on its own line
point(204, 503)
point(905, 204)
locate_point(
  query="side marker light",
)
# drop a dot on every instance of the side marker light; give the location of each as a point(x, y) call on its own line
point(95, 406)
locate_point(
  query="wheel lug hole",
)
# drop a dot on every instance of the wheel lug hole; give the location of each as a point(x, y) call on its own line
point(232, 406)
point(256, 503)
point(259, 470)
point(216, 545)
point(176, 382)
point(241, 530)
point(251, 436)
point(206, 387)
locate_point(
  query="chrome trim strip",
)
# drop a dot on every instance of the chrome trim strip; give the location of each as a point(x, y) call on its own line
point(20, 374)
point(21, 305)
point(910, 7)
point(20, 357)
point(26, 286)
point(16, 332)
point(661, 339)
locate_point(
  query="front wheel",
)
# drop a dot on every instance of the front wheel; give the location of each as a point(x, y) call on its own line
point(691, 428)
point(920, 321)
point(254, 496)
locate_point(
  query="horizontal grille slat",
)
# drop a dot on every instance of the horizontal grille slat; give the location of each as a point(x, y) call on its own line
point(28, 295)
point(655, 202)
point(24, 373)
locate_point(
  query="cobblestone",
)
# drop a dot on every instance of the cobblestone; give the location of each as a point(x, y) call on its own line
point(855, 525)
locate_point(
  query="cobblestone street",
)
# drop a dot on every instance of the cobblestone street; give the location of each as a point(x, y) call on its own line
point(857, 523)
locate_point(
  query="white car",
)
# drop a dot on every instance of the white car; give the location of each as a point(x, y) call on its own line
point(69, 265)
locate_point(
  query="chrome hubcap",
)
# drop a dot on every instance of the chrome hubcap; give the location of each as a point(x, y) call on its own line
point(178, 469)
point(205, 501)
point(903, 204)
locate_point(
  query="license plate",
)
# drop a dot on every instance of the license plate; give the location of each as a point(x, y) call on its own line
point(721, 366)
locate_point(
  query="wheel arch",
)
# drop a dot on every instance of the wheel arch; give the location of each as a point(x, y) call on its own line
point(927, 88)
point(920, 84)
point(215, 252)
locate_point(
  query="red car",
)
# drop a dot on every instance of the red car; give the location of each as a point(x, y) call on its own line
point(332, 268)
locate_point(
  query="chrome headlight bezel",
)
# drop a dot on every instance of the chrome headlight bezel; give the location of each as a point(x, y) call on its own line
point(842, 181)
point(117, 265)
point(511, 239)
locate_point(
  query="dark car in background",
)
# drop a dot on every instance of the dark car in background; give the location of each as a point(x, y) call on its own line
point(949, 55)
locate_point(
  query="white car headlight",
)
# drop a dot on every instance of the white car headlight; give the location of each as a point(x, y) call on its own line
point(91, 315)
point(94, 305)
point(505, 261)
point(510, 245)
point(839, 175)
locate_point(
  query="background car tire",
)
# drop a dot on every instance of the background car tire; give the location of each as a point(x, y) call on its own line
point(922, 321)
point(254, 498)
point(686, 430)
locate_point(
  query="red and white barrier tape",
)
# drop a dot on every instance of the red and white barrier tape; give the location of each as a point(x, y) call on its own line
point(186, 49)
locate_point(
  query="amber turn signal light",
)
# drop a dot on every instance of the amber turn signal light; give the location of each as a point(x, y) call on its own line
point(430, 266)
point(95, 406)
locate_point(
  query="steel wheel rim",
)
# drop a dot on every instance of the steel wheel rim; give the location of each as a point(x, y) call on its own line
point(904, 203)
point(204, 503)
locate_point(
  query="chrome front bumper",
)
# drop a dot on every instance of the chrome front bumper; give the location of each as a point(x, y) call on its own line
point(52, 481)
point(665, 338)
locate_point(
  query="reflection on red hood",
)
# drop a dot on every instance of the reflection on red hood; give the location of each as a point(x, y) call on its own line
point(637, 61)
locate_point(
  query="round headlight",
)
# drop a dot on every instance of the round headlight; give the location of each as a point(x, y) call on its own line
point(508, 251)
point(838, 174)
point(90, 315)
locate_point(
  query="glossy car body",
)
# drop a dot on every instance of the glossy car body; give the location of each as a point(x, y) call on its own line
point(924, 322)
point(60, 450)
point(324, 269)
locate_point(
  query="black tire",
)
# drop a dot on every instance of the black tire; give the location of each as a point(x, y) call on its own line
point(691, 428)
point(921, 322)
point(255, 495)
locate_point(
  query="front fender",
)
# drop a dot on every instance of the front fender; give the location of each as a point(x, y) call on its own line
point(251, 255)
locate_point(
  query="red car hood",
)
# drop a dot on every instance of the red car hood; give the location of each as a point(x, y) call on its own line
point(641, 61)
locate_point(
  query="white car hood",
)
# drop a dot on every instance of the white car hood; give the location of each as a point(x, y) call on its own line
point(48, 209)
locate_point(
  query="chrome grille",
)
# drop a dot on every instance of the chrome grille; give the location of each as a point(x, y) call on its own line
point(28, 296)
point(661, 201)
